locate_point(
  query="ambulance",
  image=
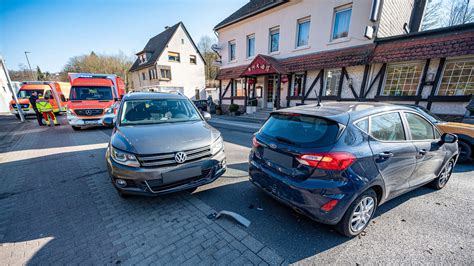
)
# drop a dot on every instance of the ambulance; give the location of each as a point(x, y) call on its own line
point(93, 97)
point(56, 92)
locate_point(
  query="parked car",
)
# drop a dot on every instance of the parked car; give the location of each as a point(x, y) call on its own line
point(161, 143)
point(465, 133)
point(337, 162)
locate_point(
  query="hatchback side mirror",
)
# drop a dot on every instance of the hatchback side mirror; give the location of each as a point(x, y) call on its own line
point(206, 115)
point(108, 122)
point(449, 138)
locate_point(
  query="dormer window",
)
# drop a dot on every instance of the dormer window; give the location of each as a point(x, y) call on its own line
point(142, 58)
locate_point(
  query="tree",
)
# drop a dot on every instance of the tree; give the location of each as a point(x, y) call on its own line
point(23, 74)
point(443, 13)
point(210, 57)
point(94, 63)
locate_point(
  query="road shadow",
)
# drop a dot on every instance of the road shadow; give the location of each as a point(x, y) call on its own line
point(293, 236)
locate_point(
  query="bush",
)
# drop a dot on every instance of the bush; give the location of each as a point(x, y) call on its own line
point(233, 108)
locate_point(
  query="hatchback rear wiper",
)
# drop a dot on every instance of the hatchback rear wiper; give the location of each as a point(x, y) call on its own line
point(282, 139)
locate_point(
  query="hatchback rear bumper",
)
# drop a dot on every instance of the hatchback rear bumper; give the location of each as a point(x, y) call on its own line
point(305, 197)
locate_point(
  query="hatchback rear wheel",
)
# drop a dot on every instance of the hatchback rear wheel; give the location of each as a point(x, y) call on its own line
point(359, 214)
point(443, 177)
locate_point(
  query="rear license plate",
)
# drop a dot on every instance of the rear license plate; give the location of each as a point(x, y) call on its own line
point(278, 158)
point(91, 122)
point(181, 174)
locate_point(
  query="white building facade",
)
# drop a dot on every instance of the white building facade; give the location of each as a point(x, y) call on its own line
point(170, 61)
point(283, 53)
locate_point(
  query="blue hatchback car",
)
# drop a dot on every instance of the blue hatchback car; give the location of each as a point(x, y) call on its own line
point(337, 162)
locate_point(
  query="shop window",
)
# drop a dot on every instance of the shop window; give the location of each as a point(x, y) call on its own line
point(192, 59)
point(232, 51)
point(274, 40)
point(458, 78)
point(238, 87)
point(332, 82)
point(402, 79)
point(302, 38)
point(297, 85)
point(173, 57)
point(342, 19)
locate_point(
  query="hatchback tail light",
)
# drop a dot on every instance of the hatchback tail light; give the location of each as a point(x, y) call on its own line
point(328, 206)
point(255, 142)
point(327, 160)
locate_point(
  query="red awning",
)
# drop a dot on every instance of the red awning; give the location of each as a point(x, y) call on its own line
point(263, 65)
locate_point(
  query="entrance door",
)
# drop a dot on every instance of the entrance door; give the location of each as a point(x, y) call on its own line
point(271, 87)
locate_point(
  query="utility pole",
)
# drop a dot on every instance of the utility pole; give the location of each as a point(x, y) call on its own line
point(28, 60)
point(15, 98)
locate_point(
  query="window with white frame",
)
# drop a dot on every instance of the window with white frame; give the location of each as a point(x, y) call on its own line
point(402, 79)
point(302, 36)
point(165, 74)
point(238, 87)
point(250, 46)
point(274, 42)
point(342, 20)
point(458, 78)
point(142, 58)
point(232, 51)
point(297, 85)
point(192, 59)
point(332, 80)
point(173, 57)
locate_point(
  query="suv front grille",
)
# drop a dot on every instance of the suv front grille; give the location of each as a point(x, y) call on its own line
point(167, 159)
point(89, 112)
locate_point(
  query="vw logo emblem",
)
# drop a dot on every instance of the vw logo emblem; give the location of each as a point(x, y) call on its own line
point(180, 157)
point(88, 112)
point(273, 146)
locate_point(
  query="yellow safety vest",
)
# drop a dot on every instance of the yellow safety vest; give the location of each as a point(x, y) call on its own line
point(43, 106)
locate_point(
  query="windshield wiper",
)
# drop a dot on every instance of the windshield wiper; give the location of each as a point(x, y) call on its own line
point(282, 139)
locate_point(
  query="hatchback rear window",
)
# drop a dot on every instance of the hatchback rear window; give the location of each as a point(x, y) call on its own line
point(301, 130)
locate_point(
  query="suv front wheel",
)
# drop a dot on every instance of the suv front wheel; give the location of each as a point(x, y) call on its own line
point(359, 214)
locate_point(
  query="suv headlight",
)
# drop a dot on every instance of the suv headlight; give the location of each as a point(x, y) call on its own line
point(124, 158)
point(217, 145)
point(109, 110)
point(69, 112)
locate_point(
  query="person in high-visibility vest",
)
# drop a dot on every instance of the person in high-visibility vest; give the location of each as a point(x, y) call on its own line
point(44, 107)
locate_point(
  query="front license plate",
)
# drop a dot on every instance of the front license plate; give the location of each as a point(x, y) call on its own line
point(181, 174)
point(278, 158)
point(91, 122)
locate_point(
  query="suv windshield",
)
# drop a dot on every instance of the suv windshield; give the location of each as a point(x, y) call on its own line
point(301, 129)
point(91, 93)
point(157, 111)
point(27, 93)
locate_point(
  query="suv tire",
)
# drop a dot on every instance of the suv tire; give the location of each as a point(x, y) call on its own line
point(365, 205)
point(465, 152)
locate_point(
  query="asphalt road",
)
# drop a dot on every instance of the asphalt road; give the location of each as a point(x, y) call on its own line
point(423, 226)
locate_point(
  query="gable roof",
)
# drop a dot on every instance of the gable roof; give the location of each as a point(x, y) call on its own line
point(252, 8)
point(157, 45)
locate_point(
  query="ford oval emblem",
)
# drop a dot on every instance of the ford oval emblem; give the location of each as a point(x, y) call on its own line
point(273, 146)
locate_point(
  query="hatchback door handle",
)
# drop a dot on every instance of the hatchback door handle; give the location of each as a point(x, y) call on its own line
point(422, 152)
point(385, 155)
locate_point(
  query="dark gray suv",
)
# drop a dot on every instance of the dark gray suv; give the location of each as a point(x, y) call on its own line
point(161, 143)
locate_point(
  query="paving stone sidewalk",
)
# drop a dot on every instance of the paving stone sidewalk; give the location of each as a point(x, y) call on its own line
point(57, 206)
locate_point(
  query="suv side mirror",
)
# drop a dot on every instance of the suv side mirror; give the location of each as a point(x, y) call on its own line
point(206, 115)
point(108, 122)
point(449, 138)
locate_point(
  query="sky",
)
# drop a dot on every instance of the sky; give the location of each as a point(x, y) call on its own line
point(55, 30)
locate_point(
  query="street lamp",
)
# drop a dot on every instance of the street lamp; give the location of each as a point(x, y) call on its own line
point(31, 70)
